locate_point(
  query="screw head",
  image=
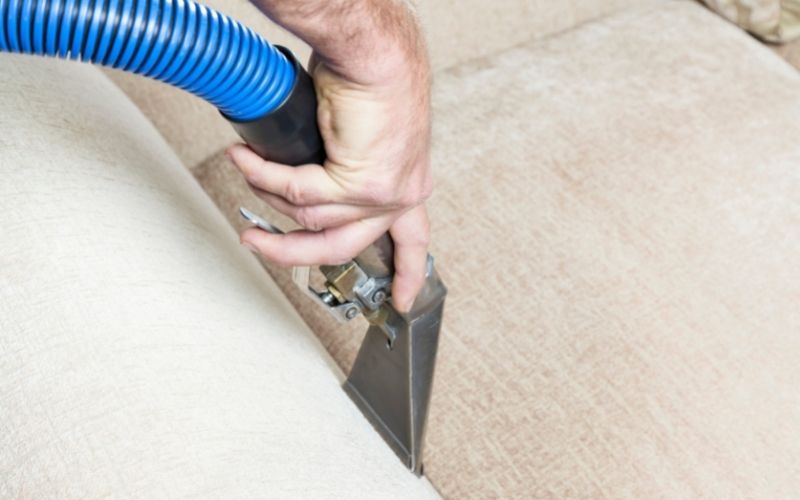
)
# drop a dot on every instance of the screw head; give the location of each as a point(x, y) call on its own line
point(351, 312)
point(379, 297)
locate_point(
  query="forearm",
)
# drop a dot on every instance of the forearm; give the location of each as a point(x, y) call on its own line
point(364, 40)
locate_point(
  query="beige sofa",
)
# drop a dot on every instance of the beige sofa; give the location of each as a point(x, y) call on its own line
point(617, 217)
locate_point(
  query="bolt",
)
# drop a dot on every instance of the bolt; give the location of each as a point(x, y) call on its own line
point(351, 312)
point(328, 298)
point(379, 296)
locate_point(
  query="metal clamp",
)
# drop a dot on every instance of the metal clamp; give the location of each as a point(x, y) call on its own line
point(342, 311)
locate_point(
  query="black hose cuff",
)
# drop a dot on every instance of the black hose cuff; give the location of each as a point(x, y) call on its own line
point(289, 134)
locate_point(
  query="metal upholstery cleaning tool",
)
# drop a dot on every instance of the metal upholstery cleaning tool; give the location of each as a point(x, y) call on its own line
point(270, 100)
point(392, 376)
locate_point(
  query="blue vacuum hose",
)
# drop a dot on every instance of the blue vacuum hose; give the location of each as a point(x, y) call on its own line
point(184, 44)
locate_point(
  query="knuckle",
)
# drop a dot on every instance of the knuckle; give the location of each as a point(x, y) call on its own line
point(410, 199)
point(294, 193)
point(381, 193)
point(399, 194)
point(420, 192)
point(426, 190)
point(309, 218)
point(422, 237)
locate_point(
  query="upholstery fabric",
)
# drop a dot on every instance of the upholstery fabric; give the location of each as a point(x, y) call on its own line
point(618, 222)
point(223, 182)
point(622, 246)
point(143, 353)
point(771, 20)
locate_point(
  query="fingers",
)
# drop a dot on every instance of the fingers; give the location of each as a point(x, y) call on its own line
point(314, 184)
point(336, 231)
point(411, 233)
point(302, 185)
point(319, 217)
point(338, 245)
point(307, 248)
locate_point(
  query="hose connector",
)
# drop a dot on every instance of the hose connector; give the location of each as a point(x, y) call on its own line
point(289, 133)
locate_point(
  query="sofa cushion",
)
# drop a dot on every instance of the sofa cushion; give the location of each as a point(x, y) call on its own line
point(143, 352)
point(617, 219)
point(771, 20)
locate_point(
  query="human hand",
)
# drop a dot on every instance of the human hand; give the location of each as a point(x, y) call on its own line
point(376, 130)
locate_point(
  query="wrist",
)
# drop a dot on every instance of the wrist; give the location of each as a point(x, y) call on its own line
point(384, 59)
point(393, 63)
point(365, 42)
